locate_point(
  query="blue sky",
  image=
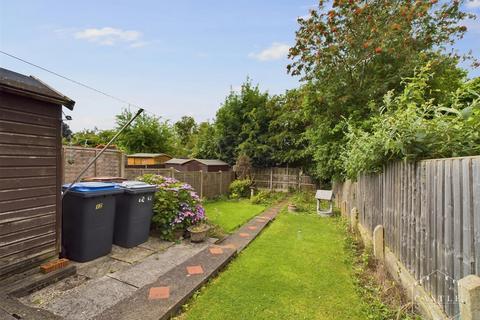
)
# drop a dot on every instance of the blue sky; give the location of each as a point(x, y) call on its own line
point(173, 57)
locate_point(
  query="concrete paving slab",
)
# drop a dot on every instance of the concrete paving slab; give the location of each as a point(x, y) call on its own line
point(130, 255)
point(12, 306)
point(157, 264)
point(90, 299)
point(156, 244)
point(47, 294)
point(99, 267)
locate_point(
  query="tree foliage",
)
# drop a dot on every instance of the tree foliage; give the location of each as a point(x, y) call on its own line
point(241, 123)
point(409, 126)
point(205, 146)
point(146, 134)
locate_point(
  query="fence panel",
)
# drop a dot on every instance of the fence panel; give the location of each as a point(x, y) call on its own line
point(431, 214)
point(110, 163)
point(207, 184)
point(282, 179)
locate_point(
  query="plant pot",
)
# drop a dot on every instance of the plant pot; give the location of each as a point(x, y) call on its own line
point(178, 234)
point(198, 233)
point(292, 208)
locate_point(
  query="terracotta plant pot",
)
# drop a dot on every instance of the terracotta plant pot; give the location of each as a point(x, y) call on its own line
point(198, 233)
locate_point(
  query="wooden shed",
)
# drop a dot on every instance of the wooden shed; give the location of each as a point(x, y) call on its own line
point(205, 165)
point(144, 159)
point(30, 171)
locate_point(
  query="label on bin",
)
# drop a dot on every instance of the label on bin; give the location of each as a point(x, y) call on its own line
point(99, 206)
point(144, 199)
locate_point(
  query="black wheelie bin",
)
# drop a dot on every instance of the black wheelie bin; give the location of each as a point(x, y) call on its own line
point(88, 220)
point(133, 213)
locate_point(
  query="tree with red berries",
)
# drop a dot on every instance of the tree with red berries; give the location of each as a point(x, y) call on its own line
point(352, 52)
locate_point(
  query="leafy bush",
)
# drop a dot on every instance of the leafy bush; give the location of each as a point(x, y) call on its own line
point(267, 197)
point(240, 188)
point(304, 201)
point(411, 126)
point(176, 206)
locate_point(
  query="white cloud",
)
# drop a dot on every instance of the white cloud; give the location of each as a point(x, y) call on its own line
point(111, 36)
point(275, 52)
point(473, 3)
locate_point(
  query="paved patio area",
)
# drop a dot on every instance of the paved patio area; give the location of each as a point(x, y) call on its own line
point(101, 283)
point(151, 281)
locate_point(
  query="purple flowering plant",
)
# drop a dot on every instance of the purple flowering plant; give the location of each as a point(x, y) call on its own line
point(176, 205)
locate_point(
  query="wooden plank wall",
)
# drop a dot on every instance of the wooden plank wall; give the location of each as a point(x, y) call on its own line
point(431, 214)
point(282, 179)
point(207, 184)
point(29, 181)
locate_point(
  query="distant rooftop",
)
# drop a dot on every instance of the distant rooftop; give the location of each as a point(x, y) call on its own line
point(31, 86)
point(177, 161)
point(207, 162)
point(212, 162)
point(147, 155)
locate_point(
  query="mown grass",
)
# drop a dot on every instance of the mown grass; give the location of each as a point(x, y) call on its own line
point(231, 214)
point(297, 269)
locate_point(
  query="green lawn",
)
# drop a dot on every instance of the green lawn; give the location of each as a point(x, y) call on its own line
point(296, 269)
point(231, 214)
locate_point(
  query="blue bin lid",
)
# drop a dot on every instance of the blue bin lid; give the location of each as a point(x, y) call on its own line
point(91, 186)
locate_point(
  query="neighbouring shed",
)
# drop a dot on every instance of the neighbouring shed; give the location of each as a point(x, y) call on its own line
point(147, 159)
point(30, 171)
point(206, 165)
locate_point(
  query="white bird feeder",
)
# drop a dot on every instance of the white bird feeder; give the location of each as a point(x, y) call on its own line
point(324, 195)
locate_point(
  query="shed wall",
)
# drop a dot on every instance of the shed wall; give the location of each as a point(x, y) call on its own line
point(30, 177)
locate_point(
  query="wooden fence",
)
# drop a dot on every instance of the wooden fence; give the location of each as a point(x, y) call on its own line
point(282, 179)
point(207, 184)
point(431, 214)
point(110, 163)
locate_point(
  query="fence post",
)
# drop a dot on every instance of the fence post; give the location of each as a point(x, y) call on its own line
point(354, 219)
point(299, 181)
point(122, 164)
point(201, 184)
point(469, 297)
point(95, 164)
point(378, 243)
point(221, 182)
point(271, 178)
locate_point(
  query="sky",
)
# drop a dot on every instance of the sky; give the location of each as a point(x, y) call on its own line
point(173, 58)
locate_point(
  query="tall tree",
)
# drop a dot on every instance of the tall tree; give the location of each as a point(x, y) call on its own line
point(205, 143)
point(185, 136)
point(236, 121)
point(146, 134)
point(356, 51)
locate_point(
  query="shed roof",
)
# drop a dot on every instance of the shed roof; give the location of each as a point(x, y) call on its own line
point(207, 162)
point(212, 162)
point(177, 161)
point(147, 155)
point(33, 87)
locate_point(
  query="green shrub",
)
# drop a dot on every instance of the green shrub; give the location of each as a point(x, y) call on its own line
point(304, 201)
point(176, 206)
point(240, 188)
point(412, 126)
point(267, 197)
